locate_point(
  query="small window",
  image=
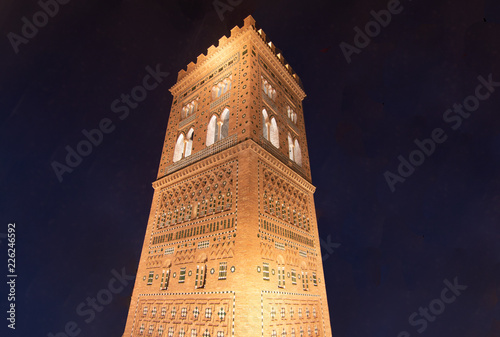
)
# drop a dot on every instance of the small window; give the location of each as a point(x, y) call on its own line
point(150, 277)
point(165, 276)
point(265, 271)
point(199, 281)
point(294, 276)
point(281, 277)
point(315, 280)
point(182, 275)
point(222, 270)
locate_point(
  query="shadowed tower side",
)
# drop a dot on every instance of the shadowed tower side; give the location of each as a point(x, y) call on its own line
point(232, 246)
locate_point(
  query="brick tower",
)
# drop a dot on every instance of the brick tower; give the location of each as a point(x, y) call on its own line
point(232, 245)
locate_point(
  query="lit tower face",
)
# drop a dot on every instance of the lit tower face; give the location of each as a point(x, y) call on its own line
point(232, 245)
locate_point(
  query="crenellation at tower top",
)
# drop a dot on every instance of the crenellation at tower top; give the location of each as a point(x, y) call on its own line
point(236, 32)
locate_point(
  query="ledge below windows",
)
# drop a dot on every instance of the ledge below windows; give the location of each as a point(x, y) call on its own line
point(269, 147)
point(212, 149)
point(220, 100)
point(186, 121)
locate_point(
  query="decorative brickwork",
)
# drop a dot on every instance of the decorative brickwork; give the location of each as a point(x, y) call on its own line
point(231, 246)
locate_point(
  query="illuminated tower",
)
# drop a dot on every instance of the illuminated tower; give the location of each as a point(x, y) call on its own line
point(232, 245)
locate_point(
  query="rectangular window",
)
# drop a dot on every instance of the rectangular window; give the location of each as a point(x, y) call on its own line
point(169, 251)
point(265, 271)
point(200, 277)
point(182, 275)
point(315, 280)
point(165, 276)
point(294, 276)
point(222, 270)
point(279, 245)
point(281, 277)
point(150, 277)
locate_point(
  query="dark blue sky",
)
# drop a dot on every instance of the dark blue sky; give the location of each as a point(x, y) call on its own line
point(396, 248)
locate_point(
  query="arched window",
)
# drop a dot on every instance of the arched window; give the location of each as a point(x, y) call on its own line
point(265, 124)
point(218, 128)
point(189, 109)
point(296, 152)
point(225, 123)
point(290, 147)
point(291, 115)
point(211, 130)
point(179, 148)
point(268, 89)
point(274, 134)
point(221, 88)
point(226, 85)
point(270, 129)
point(189, 143)
point(183, 146)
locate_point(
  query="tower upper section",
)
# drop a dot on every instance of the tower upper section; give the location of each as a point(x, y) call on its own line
point(242, 89)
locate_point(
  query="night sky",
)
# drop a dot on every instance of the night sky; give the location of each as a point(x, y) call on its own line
point(387, 252)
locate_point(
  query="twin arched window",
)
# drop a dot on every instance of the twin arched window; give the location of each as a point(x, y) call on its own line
point(221, 88)
point(268, 89)
point(218, 128)
point(294, 152)
point(270, 129)
point(189, 109)
point(183, 146)
point(291, 115)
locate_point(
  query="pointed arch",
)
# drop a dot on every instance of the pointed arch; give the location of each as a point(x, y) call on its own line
point(189, 142)
point(297, 153)
point(225, 123)
point(179, 148)
point(211, 130)
point(290, 147)
point(265, 124)
point(274, 133)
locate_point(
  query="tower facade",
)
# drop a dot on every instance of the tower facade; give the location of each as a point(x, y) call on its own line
point(232, 245)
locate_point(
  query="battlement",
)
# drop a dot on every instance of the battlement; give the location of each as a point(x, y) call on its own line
point(248, 24)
